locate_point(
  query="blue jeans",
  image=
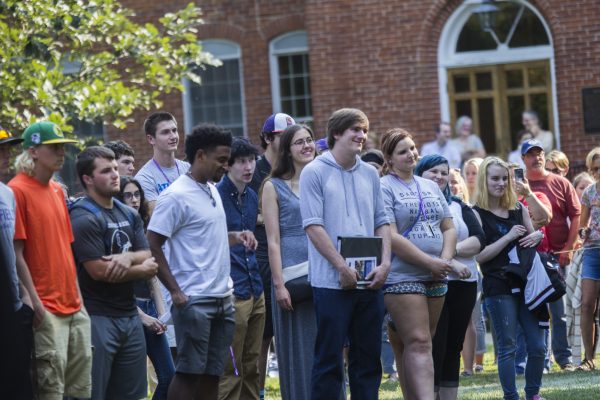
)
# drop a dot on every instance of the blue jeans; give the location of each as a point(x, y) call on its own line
point(558, 326)
point(507, 312)
point(157, 348)
point(356, 315)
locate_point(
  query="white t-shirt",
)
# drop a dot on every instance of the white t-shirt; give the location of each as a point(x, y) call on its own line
point(197, 248)
point(154, 178)
point(449, 151)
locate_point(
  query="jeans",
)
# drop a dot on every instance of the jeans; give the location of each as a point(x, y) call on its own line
point(558, 327)
point(157, 348)
point(387, 354)
point(356, 315)
point(507, 311)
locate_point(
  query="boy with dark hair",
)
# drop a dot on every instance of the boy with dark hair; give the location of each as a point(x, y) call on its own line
point(158, 173)
point(46, 267)
point(270, 134)
point(124, 155)
point(343, 119)
point(241, 208)
point(112, 252)
point(189, 220)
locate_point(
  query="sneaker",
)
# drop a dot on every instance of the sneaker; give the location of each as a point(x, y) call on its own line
point(393, 377)
point(567, 367)
point(273, 368)
point(466, 374)
point(478, 368)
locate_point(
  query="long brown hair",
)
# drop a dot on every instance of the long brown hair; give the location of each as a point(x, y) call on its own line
point(284, 165)
point(389, 141)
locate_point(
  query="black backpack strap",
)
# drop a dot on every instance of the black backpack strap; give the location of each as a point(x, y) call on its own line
point(91, 207)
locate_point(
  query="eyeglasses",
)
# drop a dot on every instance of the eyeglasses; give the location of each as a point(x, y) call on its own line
point(302, 142)
point(127, 196)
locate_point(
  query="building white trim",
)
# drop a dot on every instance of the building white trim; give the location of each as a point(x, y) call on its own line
point(449, 58)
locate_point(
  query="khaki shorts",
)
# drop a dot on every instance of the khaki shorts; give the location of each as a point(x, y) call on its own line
point(63, 352)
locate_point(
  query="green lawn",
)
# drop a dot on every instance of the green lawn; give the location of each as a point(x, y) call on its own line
point(556, 385)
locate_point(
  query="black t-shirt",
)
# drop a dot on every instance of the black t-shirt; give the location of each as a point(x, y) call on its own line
point(495, 281)
point(91, 239)
point(262, 170)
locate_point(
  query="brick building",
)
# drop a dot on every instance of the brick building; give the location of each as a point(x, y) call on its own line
point(407, 63)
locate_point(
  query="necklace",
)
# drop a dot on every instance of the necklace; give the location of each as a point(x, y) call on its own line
point(205, 188)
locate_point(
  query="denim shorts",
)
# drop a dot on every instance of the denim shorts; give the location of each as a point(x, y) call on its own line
point(591, 264)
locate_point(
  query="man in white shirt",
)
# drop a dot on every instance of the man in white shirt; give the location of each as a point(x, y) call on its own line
point(190, 221)
point(443, 146)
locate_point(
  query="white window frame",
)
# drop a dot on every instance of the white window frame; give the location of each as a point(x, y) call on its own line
point(223, 50)
point(449, 58)
point(274, 53)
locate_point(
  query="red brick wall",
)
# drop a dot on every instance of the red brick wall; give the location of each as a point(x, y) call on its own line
point(377, 55)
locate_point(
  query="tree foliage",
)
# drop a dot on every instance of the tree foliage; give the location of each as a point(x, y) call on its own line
point(89, 60)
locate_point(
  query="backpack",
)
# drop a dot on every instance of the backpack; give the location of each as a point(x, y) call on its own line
point(92, 207)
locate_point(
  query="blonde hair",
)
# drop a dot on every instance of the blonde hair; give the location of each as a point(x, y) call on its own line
point(464, 191)
point(591, 157)
point(24, 163)
point(559, 159)
point(475, 161)
point(508, 201)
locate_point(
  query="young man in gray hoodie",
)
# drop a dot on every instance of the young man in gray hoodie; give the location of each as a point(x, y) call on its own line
point(341, 196)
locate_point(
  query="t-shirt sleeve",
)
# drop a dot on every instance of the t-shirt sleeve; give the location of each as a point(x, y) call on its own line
point(477, 143)
point(89, 236)
point(381, 217)
point(573, 204)
point(311, 193)
point(20, 214)
point(146, 180)
point(473, 225)
point(587, 196)
point(388, 200)
point(139, 237)
point(445, 209)
point(167, 215)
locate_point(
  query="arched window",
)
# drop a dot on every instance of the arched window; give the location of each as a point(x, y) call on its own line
point(219, 98)
point(290, 76)
point(494, 75)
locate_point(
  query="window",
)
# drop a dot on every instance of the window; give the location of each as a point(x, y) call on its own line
point(290, 76)
point(220, 97)
point(515, 26)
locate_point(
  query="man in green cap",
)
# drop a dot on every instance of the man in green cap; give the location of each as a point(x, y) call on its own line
point(46, 266)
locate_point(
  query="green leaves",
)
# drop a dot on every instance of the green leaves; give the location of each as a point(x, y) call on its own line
point(88, 60)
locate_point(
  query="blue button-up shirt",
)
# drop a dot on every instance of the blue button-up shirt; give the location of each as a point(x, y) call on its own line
point(241, 215)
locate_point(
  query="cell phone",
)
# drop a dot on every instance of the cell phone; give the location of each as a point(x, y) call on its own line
point(519, 174)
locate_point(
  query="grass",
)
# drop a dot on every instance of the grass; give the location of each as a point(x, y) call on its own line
point(557, 385)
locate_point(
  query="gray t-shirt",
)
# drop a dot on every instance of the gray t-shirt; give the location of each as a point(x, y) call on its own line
point(154, 178)
point(402, 207)
point(7, 225)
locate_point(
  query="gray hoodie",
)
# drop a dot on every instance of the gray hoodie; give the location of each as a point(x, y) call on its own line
point(345, 202)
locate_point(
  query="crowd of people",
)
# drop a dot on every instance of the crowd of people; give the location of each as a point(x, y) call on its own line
point(201, 266)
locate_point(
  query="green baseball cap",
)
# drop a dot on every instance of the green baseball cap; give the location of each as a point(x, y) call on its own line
point(44, 132)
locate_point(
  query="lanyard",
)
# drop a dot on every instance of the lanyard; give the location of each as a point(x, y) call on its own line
point(422, 212)
point(163, 172)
